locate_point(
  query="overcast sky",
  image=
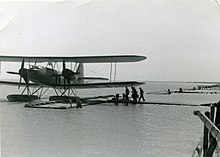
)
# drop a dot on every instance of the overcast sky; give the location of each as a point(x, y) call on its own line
point(181, 38)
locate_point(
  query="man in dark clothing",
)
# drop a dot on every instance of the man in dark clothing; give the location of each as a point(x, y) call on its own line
point(134, 94)
point(127, 93)
point(141, 94)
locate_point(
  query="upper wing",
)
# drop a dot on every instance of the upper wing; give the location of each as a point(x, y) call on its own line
point(80, 59)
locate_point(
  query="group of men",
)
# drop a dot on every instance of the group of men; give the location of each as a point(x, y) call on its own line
point(134, 94)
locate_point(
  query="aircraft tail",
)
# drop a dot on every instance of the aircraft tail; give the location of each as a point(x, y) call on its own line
point(82, 78)
point(80, 70)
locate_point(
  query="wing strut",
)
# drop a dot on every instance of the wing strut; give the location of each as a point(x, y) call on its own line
point(111, 72)
point(115, 73)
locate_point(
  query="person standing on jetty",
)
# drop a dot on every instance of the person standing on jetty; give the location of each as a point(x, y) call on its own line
point(141, 94)
point(134, 94)
point(127, 92)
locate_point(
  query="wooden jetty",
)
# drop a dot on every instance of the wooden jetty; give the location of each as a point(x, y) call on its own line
point(88, 101)
point(211, 137)
point(153, 102)
point(76, 102)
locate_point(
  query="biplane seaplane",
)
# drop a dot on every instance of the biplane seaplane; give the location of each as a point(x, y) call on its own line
point(64, 82)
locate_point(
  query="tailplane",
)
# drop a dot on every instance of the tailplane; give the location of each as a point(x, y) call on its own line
point(83, 79)
point(80, 72)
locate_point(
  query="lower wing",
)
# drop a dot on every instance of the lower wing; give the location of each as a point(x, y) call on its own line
point(81, 86)
point(102, 85)
point(15, 83)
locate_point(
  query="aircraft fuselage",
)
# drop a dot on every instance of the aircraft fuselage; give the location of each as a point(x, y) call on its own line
point(47, 76)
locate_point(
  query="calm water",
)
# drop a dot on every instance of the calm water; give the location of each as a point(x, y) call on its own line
point(104, 130)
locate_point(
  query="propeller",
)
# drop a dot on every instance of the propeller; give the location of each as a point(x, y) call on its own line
point(68, 74)
point(23, 72)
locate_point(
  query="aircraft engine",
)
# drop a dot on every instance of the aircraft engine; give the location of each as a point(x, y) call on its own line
point(68, 75)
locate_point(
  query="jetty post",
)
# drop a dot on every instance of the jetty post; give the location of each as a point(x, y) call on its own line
point(211, 132)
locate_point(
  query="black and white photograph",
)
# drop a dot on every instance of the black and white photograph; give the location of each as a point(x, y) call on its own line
point(109, 78)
